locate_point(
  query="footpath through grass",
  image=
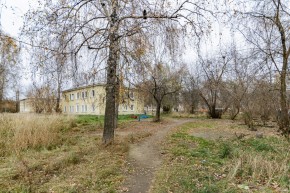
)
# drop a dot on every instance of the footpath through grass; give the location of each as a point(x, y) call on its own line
point(198, 165)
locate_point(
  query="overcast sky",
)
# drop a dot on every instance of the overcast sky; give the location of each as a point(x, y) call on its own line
point(12, 21)
point(12, 13)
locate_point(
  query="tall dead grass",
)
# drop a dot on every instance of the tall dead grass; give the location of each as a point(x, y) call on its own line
point(258, 168)
point(23, 131)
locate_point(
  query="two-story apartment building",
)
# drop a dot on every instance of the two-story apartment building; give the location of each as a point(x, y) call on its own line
point(91, 100)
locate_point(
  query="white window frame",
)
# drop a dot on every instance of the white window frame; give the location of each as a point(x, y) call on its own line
point(71, 109)
point(71, 97)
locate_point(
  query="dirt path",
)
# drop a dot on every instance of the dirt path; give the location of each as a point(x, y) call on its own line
point(145, 158)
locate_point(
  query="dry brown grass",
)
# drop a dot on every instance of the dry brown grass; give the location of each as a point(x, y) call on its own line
point(24, 131)
point(258, 168)
point(76, 163)
point(187, 115)
point(203, 163)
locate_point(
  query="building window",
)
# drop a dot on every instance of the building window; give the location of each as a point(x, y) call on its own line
point(93, 93)
point(131, 95)
point(71, 109)
point(63, 110)
point(77, 110)
point(72, 96)
point(132, 107)
point(78, 95)
point(84, 94)
point(93, 108)
point(83, 108)
point(86, 108)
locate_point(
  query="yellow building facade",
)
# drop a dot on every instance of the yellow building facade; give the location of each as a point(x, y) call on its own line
point(92, 100)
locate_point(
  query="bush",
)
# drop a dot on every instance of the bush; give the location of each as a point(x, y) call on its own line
point(166, 109)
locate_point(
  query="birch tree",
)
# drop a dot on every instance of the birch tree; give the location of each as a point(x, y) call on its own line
point(9, 53)
point(102, 27)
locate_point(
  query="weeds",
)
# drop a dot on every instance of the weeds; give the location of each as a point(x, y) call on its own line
point(225, 151)
point(198, 165)
point(23, 131)
point(137, 137)
point(77, 162)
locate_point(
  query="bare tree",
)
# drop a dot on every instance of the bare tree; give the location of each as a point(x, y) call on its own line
point(160, 81)
point(240, 76)
point(259, 102)
point(266, 27)
point(43, 99)
point(211, 82)
point(190, 95)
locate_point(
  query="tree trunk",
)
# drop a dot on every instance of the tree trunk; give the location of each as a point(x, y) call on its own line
point(117, 99)
point(111, 87)
point(57, 106)
point(158, 107)
point(2, 82)
point(235, 114)
point(1, 108)
point(192, 109)
point(57, 109)
point(212, 111)
point(1, 99)
point(284, 119)
point(17, 102)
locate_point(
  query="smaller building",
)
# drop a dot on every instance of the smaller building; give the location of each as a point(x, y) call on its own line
point(37, 105)
point(92, 100)
point(26, 106)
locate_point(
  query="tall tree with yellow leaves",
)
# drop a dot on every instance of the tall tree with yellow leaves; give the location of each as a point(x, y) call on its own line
point(9, 52)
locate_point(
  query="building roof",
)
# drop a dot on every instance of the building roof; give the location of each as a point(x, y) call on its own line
point(83, 87)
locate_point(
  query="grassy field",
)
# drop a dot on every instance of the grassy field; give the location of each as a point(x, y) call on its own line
point(49, 153)
point(199, 165)
point(99, 120)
